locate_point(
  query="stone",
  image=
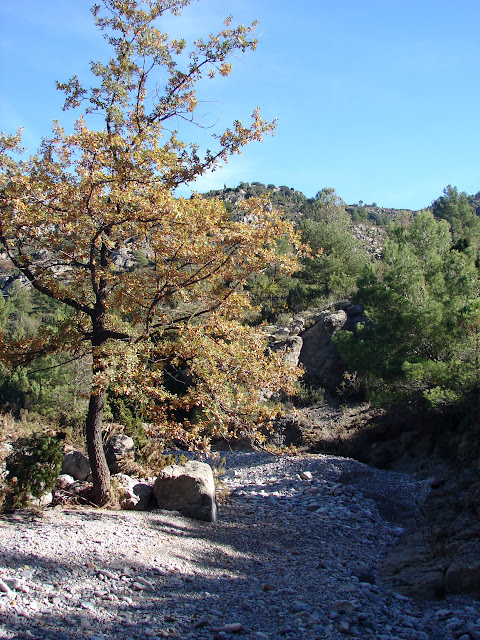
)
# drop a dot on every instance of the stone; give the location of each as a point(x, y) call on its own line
point(463, 574)
point(290, 347)
point(421, 582)
point(306, 475)
point(134, 495)
point(344, 627)
point(319, 356)
point(4, 588)
point(298, 607)
point(258, 570)
point(145, 496)
point(64, 480)
point(233, 627)
point(124, 485)
point(189, 489)
point(76, 464)
point(118, 448)
point(12, 583)
point(42, 501)
point(364, 573)
point(343, 606)
point(122, 257)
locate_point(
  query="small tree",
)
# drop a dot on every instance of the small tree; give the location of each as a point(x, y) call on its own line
point(74, 214)
point(456, 210)
point(337, 258)
point(32, 469)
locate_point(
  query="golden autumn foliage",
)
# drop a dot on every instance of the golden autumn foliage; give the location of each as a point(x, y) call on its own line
point(75, 215)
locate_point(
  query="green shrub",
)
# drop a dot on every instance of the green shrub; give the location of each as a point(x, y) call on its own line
point(17, 391)
point(308, 394)
point(125, 413)
point(32, 469)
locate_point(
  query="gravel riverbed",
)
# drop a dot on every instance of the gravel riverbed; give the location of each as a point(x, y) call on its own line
point(293, 556)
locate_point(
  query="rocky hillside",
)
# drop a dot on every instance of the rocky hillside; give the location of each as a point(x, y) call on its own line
point(368, 221)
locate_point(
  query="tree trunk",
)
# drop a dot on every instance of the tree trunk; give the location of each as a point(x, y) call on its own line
point(96, 455)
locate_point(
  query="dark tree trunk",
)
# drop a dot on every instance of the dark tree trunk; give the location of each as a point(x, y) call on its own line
point(96, 455)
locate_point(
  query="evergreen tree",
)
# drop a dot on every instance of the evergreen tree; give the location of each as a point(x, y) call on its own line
point(337, 257)
point(421, 341)
point(455, 208)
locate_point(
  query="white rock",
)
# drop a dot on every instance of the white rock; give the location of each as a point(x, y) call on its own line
point(4, 588)
point(64, 480)
point(306, 475)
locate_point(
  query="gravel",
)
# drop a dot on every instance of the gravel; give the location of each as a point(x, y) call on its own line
point(294, 555)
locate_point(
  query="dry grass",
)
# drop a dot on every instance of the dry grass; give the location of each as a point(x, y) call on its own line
point(12, 428)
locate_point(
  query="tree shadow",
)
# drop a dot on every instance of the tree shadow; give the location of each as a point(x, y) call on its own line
point(263, 555)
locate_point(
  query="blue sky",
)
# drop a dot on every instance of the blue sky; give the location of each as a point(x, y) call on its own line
point(379, 99)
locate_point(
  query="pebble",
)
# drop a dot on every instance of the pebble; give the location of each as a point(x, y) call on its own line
point(234, 627)
point(294, 555)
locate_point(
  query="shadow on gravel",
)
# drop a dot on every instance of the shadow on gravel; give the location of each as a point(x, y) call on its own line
point(220, 580)
point(240, 568)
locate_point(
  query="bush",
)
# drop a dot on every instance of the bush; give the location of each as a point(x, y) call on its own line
point(32, 469)
point(125, 413)
point(17, 391)
point(308, 395)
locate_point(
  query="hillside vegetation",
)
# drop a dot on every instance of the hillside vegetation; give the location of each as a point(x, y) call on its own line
point(415, 272)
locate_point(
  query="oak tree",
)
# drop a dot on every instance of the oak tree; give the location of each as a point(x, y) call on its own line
point(76, 215)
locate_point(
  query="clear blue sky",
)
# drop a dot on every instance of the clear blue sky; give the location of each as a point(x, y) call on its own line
point(379, 99)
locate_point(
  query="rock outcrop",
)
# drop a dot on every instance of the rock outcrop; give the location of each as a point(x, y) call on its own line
point(307, 340)
point(290, 346)
point(440, 552)
point(319, 356)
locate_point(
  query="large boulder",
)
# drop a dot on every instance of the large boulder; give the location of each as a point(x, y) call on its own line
point(117, 449)
point(319, 357)
point(76, 464)
point(463, 573)
point(189, 489)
